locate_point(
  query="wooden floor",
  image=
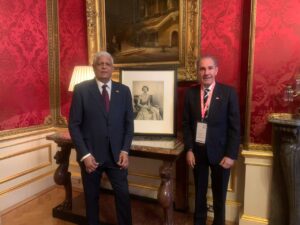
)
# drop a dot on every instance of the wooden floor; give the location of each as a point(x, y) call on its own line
point(39, 211)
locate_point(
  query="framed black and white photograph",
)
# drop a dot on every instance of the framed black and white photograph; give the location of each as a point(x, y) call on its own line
point(153, 99)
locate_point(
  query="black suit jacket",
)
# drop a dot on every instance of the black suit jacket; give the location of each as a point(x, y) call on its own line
point(223, 122)
point(92, 129)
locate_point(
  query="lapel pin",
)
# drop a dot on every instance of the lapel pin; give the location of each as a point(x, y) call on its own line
point(217, 98)
point(117, 91)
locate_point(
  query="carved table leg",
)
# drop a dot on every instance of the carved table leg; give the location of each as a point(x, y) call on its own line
point(165, 192)
point(62, 176)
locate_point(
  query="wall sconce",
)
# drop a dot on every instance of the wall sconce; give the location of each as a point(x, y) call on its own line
point(290, 94)
point(81, 73)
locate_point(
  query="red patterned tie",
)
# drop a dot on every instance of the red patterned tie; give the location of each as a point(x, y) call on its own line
point(106, 97)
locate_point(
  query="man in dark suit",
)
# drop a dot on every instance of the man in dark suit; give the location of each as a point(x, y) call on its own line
point(101, 127)
point(211, 127)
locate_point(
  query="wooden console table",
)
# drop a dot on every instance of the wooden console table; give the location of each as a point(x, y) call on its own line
point(168, 149)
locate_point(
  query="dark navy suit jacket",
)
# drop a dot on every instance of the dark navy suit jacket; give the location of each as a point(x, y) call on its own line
point(223, 122)
point(92, 129)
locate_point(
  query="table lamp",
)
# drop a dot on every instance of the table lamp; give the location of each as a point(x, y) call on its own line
point(81, 73)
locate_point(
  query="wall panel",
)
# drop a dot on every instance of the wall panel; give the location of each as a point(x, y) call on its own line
point(73, 45)
point(276, 61)
point(24, 80)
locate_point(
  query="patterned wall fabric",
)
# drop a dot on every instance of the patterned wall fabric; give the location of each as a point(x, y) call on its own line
point(221, 31)
point(276, 61)
point(73, 45)
point(24, 78)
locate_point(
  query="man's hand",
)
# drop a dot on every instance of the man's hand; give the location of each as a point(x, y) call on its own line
point(226, 162)
point(90, 164)
point(123, 160)
point(190, 159)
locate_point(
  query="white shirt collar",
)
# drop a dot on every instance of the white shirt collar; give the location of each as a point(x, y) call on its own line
point(210, 87)
point(100, 84)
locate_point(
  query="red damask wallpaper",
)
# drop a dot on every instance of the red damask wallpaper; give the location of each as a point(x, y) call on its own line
point(276, 61)
point(24, 78)
point(221, 32)
point(221, 36)
point(73, 45)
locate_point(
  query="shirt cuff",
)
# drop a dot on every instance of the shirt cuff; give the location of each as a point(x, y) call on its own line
point(84, 157)
point(124, 152)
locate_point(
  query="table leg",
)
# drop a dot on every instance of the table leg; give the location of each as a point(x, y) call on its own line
point(182, 178)
point(62, 176)
point(165, 192)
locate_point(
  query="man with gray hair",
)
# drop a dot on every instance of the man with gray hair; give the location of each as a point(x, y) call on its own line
point(211, 130)
point(101, 127)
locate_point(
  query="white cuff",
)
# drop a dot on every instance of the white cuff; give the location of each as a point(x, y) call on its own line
point(84, 157)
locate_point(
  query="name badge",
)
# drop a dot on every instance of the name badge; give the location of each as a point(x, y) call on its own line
point(201, 132)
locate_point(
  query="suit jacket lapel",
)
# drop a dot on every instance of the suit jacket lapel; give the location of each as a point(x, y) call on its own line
point(197, 103)
point(114, 97)
point(99, 101)
point(215, 97)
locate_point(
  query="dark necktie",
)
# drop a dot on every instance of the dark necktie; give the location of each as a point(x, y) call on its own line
point(105, 97)
point(206, 93)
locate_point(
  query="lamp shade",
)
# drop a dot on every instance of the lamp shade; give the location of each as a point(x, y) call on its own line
point(81, 73)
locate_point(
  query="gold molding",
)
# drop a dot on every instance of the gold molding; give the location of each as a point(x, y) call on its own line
point(24, 151)
point(257, 154)
point(54, 82)
point(188, 44)
point(12, 137)
point(53, 70)
point(250, 74)
point(259, 147)
point(22, 173)
point(255, 219)
point(26, 182)
point(16, 131)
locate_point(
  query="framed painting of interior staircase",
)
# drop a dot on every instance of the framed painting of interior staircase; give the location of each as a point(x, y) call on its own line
point(142, 33)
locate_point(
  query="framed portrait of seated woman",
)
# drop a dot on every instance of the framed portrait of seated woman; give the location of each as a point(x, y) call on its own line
point(153, 99)
point(146, 33)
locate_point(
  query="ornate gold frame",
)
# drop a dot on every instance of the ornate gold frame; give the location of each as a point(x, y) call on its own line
point(190, 15)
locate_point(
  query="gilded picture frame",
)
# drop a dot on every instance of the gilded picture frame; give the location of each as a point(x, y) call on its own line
point(188, 36)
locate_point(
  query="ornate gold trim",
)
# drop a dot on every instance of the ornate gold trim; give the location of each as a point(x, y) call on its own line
point(188, 43)
point(259, 147)
point(5, 134)
point(26, 182)
point(250, 74)
point(258, 154)
point(255, 219)
point(54, 85)
point(43, 165)
point(25, 151)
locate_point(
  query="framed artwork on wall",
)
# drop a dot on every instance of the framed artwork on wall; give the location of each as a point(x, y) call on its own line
point(142, 33)
point(153, 99)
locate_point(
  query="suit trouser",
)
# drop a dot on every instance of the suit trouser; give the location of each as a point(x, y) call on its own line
point(219, 183)
point(118, 180)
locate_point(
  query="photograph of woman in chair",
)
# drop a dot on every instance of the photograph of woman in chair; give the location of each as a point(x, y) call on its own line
point(145, 108)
